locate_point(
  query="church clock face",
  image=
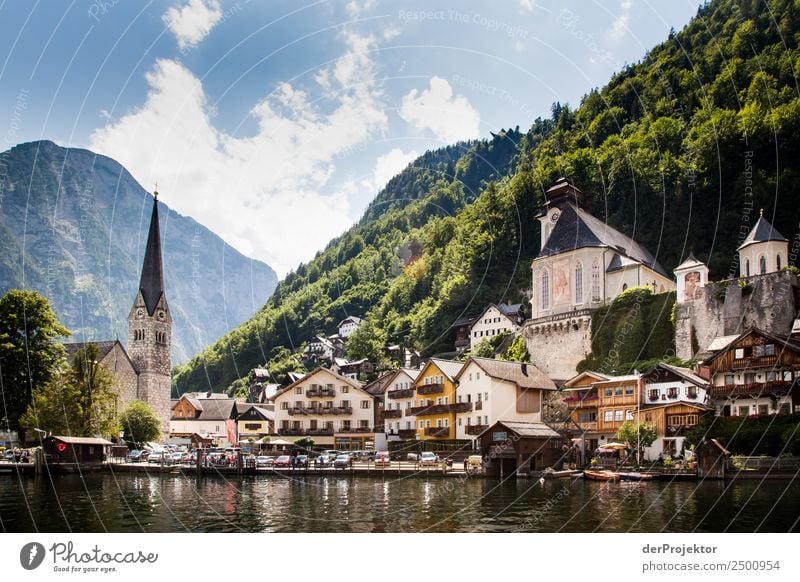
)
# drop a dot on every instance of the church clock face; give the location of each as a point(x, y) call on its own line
point(554, 216)
point(161, 315)
point(140, 312)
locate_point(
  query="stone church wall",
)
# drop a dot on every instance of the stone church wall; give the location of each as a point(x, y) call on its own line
point(769, 302)
point(556, 344)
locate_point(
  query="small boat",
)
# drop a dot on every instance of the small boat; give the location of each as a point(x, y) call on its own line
point(600, 475)
point(635, 476)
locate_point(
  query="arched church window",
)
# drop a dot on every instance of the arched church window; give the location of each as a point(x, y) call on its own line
point(596, 280)
point(545, 290)
point(762, 265)
point(747, 267)
point(579, 282)
point(778, 262)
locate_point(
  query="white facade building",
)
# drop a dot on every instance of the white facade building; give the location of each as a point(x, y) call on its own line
point(494, 320)
point(765, 250)
point(497, 390)
point(348, 325)
point(327, 407)
point(398, 401)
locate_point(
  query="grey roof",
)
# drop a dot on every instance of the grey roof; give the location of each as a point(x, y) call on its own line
point(578, 229)
point(354, 319)
point(523, 375)
point(763, 231)
point(103, 348)
point(788, 343)
point(449, 367)
point(526, 429)
point(512, 309)
point(151, 283)
point(720, 343)
point(82, 440)
point(217, 409)
point(242, 407)
point(690, 262)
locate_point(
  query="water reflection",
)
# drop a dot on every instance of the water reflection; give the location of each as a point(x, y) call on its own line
point(100, 502)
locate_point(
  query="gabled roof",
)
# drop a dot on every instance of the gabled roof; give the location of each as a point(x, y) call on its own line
point(787, 343)
point(577, 229)
point(523, 375)
point(763, 231)
point(720, 343)
point(260, 411)
point(217, 409)
point(345, 379)
point(691, 262)
point(596, 376)
point(449, 368)
point(618, 262)
point(525, 429)
point(684, 373)
point(506, 311)
point(351, 319)
point(103, 349)
point(510, 309)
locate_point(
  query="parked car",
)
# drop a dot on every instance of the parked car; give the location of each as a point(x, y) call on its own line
point(474, 464)
point(9, 455)
point(134, 456)
point(342, 461)
point(323, 460)
point(283, 461)
point(331, 453)
point(382, 459)
point(264, 461)
point(428, 459)
point(412, 457)
point(301, 461)
point(155, 457)
point(177, 457)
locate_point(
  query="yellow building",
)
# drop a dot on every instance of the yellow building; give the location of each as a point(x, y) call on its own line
point(435, 403)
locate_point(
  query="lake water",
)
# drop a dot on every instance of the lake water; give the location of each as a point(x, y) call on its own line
point(101, 502)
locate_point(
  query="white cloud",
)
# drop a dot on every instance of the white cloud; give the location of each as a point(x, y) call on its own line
point(269, 195)
point(389, 165)
point(451, 118)
point(620, 25)
point(192, 22)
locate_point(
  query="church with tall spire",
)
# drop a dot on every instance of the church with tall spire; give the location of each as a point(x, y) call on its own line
point(150, 328)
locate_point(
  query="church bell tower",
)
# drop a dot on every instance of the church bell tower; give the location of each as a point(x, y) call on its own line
point(150, 329)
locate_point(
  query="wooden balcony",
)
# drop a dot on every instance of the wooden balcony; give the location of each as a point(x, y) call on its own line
point(302, 410)
point(431, 389)
point(358, 429)
point(291, 431)
point(588, 426)
point(320, 432)
point(437, 431)
point(398, 394)
point(755, 362)
point(392, 413)
point(428, 410)
point(407, 433)
point(590, 400)
point(462, 406)
point(321, 392)
point(752, 389)
point(475, 429)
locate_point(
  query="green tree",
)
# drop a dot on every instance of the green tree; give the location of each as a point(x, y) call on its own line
point(367, 341)
point(139, 423)
point(517, 351)
point(483, 349)
point(630, 433)
point(79, 401)
point(29, 353)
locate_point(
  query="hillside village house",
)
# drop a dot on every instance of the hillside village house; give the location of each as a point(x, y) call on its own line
point(398, 399)
point(329, 408)
point(254, 421)
point(494, 320)
point(496, 390)
point(670, 398)
point(756, 373)
point(209, 415)
point(348, 325)
point(435, 400)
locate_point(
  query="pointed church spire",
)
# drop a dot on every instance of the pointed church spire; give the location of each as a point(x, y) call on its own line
point(151, 283)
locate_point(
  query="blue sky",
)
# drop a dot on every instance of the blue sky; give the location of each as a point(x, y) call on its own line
point(274, 123)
